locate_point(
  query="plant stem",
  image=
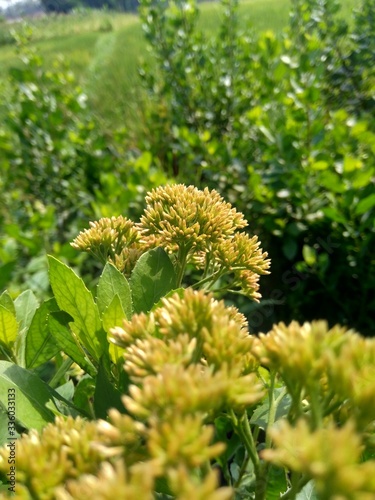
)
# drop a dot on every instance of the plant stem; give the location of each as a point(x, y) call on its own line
point(181, 264)
point(54, 382)
point(316, 413)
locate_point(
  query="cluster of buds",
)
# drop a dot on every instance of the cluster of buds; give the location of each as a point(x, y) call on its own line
point(197, 228)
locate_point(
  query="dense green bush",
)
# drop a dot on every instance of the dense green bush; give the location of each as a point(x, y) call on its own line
point(283, 127)
point(58, 169)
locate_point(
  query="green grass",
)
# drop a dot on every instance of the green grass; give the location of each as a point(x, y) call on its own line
point(105, 49)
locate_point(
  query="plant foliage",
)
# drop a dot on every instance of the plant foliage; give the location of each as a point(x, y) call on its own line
point(164, 392)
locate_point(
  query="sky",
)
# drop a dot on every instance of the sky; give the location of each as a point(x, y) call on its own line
point(6, 3)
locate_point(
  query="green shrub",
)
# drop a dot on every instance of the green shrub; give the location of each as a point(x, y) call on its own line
point(59, 169)
point(283, 127)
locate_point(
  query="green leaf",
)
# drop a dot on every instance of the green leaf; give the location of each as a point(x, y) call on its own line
point(36, 402)
point(25, 305)
point(334, 215)
point(73, 297)
point(106, 395)
point(152, 278)
point(179, 291)
point(260, 415)
point(351, 164)
point(320, 165)
point(7, 302)
point(307, 492)
point(84, 393)
point(309, 255)
point(290, 248)
point(276, 483)
point(67, 343)
point(8, 327)
point(366, 204)
point(40, 345)
point(66, 390)
point(113, 316)
point(112, 282)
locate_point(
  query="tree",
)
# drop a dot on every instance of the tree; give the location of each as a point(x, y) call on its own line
point(62, 6)
point(125, 5)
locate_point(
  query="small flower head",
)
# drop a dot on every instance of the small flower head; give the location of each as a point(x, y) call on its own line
point(244, 260)
point(115, 239)
point(298, 352)
point(149, 356)
point(185, 486)
point(192, 389)
point(182, 440)
point(352, 376)
point(331, 456)
point(178, 217)
point(61, 451)
point(112, 481)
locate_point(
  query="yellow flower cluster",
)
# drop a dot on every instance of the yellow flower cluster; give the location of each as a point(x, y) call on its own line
point(62, 451)
point(194, 226)
point(115, 239)
point(178, 217)
point(189, 360)
point(201, 228)
point(299, 352)
point(112, 482)
point(352, 377)
point(330, 456)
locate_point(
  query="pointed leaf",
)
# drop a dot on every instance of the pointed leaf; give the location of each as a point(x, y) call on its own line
point(179, 291)
point(73, 297)
point(308, 492)
point(8, 327)
point(7, 302)
point(36, 402)
point(365, 204)
point(106, 396)
point(113, 316)
point(277, 483)
point(112, 282)
point(66, 342)
point(40, 345)
point(26, 305)
point(152, 277)
point(309, 255)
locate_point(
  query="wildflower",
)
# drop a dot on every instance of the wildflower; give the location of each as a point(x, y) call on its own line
point(243, 259)
point(61, 451)
point(206, 392)
point(149, 356)
point(331, 456)
point(187, 486)
point(182, 440)
point(352, 377)
point(186, 217)
point(298, 352)
point(112, 481)
point(121, 436)
point(115, 239)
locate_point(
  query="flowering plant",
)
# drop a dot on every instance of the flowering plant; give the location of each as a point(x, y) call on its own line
point(160, 390)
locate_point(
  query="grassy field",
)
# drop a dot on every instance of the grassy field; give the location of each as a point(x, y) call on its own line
point(105, 49)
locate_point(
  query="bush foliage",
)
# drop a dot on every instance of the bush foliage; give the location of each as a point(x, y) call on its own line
point(284, 127)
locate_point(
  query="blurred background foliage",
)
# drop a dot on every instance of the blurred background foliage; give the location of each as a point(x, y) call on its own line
point(279, 122)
